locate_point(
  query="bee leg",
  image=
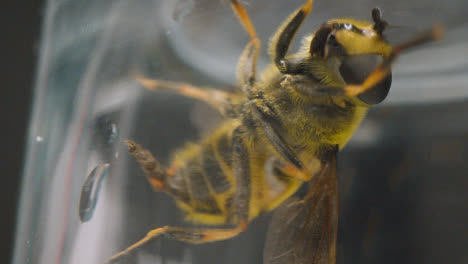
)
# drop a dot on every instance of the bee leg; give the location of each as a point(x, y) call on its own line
point(241, 165)
point(263, 115)
point(247, 65)
point(189, 235)
point(219, 100)
point(196, 235)
point(294, 172)
point(280, 175)
point(383, 69)
point(282, 39)
point(154, 173)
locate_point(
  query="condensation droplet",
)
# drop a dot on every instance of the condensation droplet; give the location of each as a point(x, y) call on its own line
point(113, 133)
point(90, 191)
point(107, 130)
point(182, 9)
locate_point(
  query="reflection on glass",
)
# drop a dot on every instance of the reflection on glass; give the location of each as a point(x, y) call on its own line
point(90, 191)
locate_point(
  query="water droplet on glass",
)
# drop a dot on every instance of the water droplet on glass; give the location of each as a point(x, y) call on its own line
point(107, 130)
point(182, 9)
point(113, 133)
point(90, 191)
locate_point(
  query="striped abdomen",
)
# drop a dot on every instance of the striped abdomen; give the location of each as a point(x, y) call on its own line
point(203, 182)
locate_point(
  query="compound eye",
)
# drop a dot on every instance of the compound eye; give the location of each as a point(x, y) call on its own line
point(355, 70)
point(332, 41)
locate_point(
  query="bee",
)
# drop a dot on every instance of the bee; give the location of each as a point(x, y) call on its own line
point(281, 130)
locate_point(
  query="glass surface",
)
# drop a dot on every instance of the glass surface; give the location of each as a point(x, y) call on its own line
point(402, 176)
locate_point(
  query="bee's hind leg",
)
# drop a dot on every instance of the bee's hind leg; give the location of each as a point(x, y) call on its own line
point(189, 235)
point(197, 235)
point(155, 174)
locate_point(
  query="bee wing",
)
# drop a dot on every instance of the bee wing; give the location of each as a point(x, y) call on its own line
point(304, 231)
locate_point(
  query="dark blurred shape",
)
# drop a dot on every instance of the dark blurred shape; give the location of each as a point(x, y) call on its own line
point(407, 196)
point(21, 24)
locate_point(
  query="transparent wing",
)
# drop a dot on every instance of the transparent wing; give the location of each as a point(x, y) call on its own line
point(304, 231)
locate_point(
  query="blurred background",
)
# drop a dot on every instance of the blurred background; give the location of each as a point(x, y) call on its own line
point(402, 177)
point(21, 24)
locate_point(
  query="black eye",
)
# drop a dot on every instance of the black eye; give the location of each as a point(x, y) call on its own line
point(355, 70)
point(317, 46)
point(332, 41)
point(377, 93)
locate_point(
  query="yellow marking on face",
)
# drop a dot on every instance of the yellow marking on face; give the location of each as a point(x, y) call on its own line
point(369, 42)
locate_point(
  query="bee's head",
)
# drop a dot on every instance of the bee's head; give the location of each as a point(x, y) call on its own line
point(346, 37)
point(359, 46)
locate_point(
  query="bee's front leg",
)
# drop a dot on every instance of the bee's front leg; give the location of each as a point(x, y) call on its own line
point(220, 100)
point(257, 112)
point(283, 37)
point(247, 64)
